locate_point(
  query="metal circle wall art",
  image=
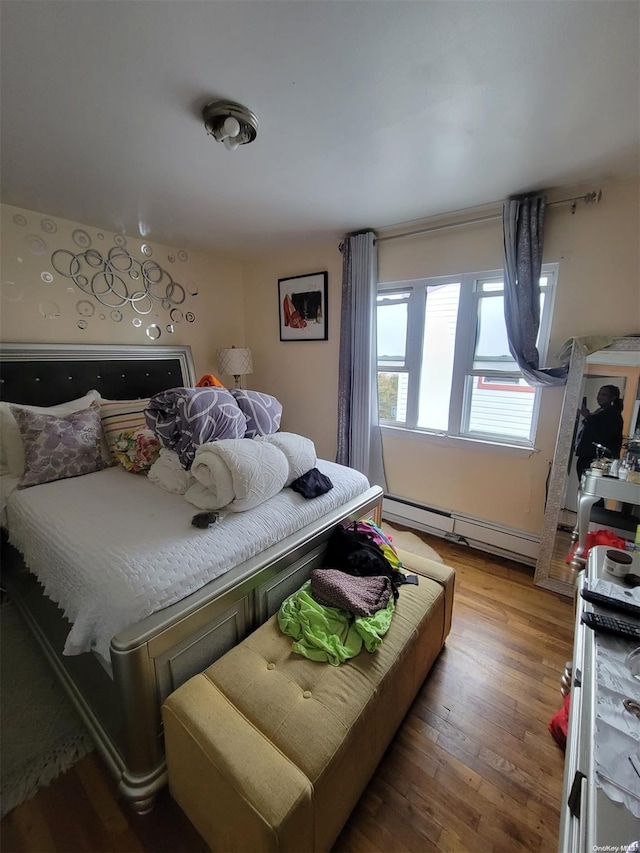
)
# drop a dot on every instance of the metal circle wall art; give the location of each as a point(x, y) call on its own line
point(115, 279)
point(82, 324)
point(49, 310)
point(105, 278)
point(175, 293)
point(12, 291)
point(48, 225)
point(59, 263)
point(81, 238)
point(35, 244)
point(85, 308)
point(19, 219)
point(142, 302)
point(93, 258)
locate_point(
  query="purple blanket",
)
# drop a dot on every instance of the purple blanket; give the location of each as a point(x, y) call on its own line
point(185, 418)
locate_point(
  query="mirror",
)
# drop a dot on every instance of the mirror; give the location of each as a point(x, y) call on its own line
point(618, 364)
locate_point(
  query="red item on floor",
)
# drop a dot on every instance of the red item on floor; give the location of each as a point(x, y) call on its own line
point(598, 537)
point(559, 723)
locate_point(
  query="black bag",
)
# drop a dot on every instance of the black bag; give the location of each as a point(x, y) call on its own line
point(312, 484)
point(355, 552)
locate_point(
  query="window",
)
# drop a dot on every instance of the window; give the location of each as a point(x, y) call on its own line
point(444, 364)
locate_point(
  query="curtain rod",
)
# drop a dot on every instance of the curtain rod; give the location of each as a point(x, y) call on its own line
point(589, 198)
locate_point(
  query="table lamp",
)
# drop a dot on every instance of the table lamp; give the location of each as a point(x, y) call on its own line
point(236, 362)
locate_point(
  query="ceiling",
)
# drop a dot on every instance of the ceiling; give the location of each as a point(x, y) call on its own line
point(371, 113)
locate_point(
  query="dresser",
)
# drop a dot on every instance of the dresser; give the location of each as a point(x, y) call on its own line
point(589, 819)
point(593, 488)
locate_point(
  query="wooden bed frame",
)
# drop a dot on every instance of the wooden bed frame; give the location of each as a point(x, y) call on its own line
point(152, 658)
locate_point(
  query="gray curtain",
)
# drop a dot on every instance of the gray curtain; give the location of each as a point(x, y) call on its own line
point(359, 439)
point(523, 223)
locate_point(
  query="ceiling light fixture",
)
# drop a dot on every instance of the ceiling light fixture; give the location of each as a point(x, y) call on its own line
point(230, 123)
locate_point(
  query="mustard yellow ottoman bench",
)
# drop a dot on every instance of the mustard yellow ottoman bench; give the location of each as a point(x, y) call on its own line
point(267, 750)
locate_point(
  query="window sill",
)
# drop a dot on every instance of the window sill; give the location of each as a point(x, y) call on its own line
point(458, 441)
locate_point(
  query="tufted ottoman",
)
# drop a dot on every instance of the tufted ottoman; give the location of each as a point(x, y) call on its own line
point(267, 750)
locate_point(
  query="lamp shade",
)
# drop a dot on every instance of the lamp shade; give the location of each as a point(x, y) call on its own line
point(235, 361)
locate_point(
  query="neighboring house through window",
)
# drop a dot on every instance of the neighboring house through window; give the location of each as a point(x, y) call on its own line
point(444, 364)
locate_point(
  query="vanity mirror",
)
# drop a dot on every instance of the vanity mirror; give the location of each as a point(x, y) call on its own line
point(617, 364)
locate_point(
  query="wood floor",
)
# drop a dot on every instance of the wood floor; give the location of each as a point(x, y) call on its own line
point(472, 768)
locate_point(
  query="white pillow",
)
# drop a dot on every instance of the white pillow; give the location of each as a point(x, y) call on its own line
point(11, 448)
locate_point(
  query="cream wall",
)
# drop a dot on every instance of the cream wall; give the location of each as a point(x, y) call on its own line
point(598, 291)
point(218, 306)
point(303, 375)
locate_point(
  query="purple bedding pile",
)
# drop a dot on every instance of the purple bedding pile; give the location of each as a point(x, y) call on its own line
point(185, 418)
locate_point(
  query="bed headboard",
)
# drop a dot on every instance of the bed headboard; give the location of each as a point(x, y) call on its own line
point(47, 374)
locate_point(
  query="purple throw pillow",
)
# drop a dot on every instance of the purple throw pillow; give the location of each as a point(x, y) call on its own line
point(263, 412)
point(59, 447)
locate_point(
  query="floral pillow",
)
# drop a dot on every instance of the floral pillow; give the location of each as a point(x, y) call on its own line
point(136, 449)
point(59, 447)
point(262, 411)
point(120, 416)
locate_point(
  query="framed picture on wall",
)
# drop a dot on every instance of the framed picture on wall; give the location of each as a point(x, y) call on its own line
point(302, 301)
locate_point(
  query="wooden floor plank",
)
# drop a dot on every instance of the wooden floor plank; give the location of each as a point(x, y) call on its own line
point(473, 766)
point(26, 828)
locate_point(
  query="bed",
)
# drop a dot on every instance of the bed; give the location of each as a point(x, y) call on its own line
point(174, 632)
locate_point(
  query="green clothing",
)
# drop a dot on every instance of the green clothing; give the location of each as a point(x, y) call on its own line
point(328, 633)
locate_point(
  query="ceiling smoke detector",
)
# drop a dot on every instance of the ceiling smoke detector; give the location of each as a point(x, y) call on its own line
point(230, 123)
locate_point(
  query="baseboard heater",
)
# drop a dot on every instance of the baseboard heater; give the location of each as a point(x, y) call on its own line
point(510, 542)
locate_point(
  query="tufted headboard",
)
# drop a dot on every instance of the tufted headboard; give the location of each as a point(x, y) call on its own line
point(47, 374)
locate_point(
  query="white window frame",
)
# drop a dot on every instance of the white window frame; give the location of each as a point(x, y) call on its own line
point(463, 370)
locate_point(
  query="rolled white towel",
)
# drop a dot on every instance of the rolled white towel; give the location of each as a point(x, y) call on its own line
point(168, 473)
point(300, 452)
point(256, 471)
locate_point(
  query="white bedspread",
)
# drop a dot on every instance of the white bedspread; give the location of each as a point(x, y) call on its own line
point(8, 484)
point(111, 548)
